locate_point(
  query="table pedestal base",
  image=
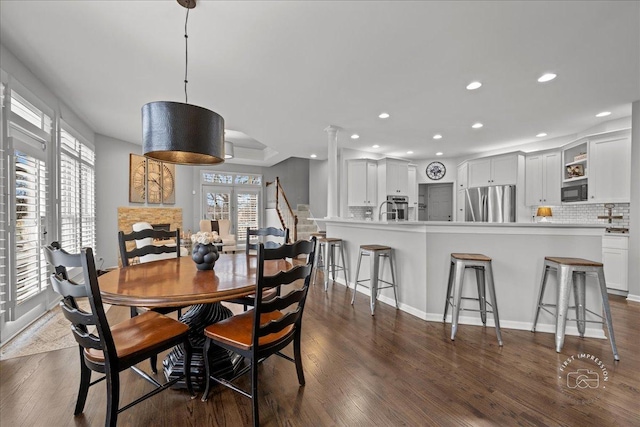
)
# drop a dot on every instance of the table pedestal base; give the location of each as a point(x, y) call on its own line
point(223, 363)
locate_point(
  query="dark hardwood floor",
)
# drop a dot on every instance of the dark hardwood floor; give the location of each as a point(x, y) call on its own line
point(389, 370)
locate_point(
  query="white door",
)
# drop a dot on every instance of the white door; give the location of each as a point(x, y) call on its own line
point(240, 205)
point(439, 202)
point(29, 292)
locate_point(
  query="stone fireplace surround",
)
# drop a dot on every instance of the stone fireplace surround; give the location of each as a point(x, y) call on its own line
point(127, 216)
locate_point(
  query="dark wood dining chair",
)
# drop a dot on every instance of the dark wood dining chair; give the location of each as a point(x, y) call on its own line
point(268, 328)
point(255, 235)
point(250, 251)
point(112, 349)
point(127, 256)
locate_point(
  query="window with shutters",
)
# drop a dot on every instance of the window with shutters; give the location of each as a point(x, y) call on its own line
point(28, 214)
point(77, 193)
point(248, 213)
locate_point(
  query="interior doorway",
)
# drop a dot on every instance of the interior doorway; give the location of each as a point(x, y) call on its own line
point(435, 202)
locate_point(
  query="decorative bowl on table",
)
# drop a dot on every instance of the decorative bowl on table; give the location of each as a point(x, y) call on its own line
point(205, 253)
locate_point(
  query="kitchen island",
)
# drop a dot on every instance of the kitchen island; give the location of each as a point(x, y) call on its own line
point(422, 257)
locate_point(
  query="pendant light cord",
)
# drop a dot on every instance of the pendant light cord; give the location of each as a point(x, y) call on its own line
point(186, 58)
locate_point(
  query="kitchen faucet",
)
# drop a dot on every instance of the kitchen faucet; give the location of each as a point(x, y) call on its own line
point(395, 207)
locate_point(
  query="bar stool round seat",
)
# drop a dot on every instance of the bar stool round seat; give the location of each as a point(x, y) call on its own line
point(326, 259)
point(375, 252)
point(484, 279)
point(571, 273)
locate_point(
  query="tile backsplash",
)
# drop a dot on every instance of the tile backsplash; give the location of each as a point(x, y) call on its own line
point(566, 214)
point(360, 212)
point(587, 214)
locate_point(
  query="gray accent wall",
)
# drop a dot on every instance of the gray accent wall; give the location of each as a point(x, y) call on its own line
point(294, 178)
point(318, 177)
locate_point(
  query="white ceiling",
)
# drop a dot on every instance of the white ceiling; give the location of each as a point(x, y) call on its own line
point(281, 72)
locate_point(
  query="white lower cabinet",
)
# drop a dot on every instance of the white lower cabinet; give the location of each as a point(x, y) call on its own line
point(615, 257)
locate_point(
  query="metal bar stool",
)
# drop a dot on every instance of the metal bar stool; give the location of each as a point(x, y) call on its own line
point(484, 277)
point(319, 261)
point(327, 252)
point(375, 252)
point(571, 272)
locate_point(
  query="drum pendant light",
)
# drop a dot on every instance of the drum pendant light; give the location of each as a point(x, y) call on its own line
point(182, 133)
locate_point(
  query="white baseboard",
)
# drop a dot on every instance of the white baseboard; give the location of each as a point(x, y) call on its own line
point(476, 321)
point(634, 298)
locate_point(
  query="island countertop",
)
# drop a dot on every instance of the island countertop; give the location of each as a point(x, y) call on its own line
point(462, 224)
point(422, 252)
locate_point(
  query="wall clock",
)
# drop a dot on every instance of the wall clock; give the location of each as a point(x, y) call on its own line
point(436, 170)
point(151, 181)
point(137, 178)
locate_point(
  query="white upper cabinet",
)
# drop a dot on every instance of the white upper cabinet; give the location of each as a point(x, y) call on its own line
point(395, 176)
point(543, 174)
point(610, 169)
point(461, 177)
point(362, 178)
point(500, 170)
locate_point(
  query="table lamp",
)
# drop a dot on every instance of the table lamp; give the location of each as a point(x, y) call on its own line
point(544, 212)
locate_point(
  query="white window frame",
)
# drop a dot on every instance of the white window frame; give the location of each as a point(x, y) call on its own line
point(232, 186)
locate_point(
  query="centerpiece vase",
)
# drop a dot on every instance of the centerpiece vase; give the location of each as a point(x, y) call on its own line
point(205, 256)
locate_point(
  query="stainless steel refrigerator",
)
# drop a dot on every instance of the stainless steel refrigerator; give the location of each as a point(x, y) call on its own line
point(491, 204)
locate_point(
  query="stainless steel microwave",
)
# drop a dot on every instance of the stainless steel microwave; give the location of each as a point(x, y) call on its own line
point(575, 193)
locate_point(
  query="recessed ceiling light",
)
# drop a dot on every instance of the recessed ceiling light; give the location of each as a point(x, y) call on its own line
point(477, 125)
point(384, 115)
point(437, 136)
point(603, 114)
point(375, 146)
point(355, 136)
point(474, 85)
point(409, 152)
point(541, 134)
point(439, 153)
point(313, 156)
point(546, 77)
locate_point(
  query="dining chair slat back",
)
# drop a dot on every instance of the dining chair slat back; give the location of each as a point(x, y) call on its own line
point(265, 233)
point(110, 350)
point(156, 235)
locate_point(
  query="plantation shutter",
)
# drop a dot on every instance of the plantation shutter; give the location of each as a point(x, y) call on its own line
point(77, 193)
point(248, 215)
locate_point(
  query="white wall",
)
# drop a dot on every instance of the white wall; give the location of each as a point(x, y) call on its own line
point(112, 189)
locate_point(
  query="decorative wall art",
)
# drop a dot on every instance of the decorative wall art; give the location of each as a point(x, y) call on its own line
point(151, 181)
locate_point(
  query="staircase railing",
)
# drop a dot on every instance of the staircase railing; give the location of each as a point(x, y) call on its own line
point(288, 219)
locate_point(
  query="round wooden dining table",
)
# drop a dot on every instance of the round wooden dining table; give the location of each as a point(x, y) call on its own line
point(178, 283)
